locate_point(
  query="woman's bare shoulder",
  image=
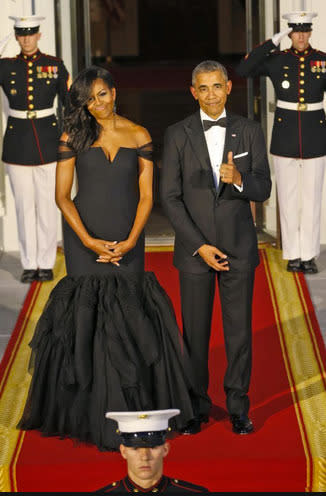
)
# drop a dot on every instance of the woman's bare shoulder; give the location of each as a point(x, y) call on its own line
point(64, 137)
point(138, 133)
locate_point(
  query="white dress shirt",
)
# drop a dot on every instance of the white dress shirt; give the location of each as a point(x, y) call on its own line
point(215, 139)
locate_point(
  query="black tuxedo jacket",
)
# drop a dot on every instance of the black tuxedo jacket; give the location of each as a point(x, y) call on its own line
point(198, 211)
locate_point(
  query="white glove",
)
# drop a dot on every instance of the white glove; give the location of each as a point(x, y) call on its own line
point(276, 39)
point(4, 42)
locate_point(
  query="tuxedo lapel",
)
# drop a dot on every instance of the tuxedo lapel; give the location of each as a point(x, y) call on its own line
point(232, 136)
point(231, 143)
point(195, 132)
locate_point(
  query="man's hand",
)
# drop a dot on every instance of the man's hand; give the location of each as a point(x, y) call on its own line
point(214, 257)
point(276, 39)
point(229, 173)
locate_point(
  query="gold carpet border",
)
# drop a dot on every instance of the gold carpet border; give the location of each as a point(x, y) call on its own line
point(15, 392)
point(154, 248)
point(304, 366)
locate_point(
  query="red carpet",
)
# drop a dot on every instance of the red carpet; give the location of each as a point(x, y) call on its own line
point(277, 457)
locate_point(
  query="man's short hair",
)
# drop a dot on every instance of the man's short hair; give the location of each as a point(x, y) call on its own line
point(208, 66)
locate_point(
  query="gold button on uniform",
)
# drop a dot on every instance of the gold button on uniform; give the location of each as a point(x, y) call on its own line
point(11, 127)
point(48, 82)
point(12, 82)
point(30, 88)
point(31, 106)
point(301, 99)
point(301, 73)
point(30, 80)
point(301, 90)
point(54, 123)
point(30, 97)
point(114, 484)
point(279, 119)
point(286, 75)
point(155, 490)
point(301, 59)
point(302, 66)
point(30, 64)
point(176, 481)
point(319, 121)
point(136, 490)
point(30, 71)
point(318, 76)
point(301, 81)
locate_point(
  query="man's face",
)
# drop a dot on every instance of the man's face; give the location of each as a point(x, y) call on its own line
point(300, 40)
point(211, 90)
point(28, 44)
point(145, 464)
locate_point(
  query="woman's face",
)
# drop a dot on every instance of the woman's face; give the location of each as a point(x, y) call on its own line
point(101, 100)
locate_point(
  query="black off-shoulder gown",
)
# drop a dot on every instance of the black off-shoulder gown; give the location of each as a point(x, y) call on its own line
point(107, 339)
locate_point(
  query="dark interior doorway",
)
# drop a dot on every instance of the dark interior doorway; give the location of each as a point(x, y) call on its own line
point(151, 48)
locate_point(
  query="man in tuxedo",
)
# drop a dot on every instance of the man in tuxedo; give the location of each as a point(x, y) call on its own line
point(214, 164)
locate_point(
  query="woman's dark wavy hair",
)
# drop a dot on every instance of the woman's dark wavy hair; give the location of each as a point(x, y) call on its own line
point(81, 127)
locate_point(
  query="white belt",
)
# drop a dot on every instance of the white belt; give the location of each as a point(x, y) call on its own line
point(302, 107)
point(31, 114)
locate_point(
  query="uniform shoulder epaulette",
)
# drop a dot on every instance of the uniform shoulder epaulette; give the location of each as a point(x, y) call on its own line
point(188, 486)
point(9, 58)
point(53, 57)
point(321, 52)
point(284, 51)
point(108, 489)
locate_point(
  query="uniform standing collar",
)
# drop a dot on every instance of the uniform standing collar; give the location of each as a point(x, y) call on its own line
point(30, 57)
point(302, 53)
point(157, 488)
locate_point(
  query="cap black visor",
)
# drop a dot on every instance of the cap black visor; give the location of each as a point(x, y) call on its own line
point(26, 31)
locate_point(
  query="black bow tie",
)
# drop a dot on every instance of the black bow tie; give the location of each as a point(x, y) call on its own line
point(208, 124)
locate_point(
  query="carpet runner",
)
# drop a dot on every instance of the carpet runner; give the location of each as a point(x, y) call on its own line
point(287, 451)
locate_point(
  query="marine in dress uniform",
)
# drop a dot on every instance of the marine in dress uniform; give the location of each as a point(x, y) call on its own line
point(298, 141)
point(31, 81)
point(143, 445)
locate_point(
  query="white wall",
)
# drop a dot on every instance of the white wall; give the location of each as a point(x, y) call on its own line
point(8, 226)
point(318, 40)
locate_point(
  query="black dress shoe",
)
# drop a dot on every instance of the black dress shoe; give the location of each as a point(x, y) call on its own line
point(28, 275)
point(194, 426)
point(309, 266)
point(241, 424)
point(294, 265)
point(45, 275)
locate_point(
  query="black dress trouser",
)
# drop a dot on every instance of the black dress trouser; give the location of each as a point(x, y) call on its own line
point(197, 298)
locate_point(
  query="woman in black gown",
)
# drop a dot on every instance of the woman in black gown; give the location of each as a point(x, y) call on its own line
point(107, 339)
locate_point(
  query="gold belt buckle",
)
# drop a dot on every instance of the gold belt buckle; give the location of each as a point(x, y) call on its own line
point(302, 107)
point(31, 114)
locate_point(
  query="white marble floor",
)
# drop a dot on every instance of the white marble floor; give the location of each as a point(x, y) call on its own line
point(13, 292)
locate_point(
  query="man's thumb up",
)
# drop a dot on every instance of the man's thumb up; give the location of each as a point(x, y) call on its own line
point(230, 158)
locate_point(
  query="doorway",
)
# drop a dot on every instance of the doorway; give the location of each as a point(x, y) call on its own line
point(151, 47)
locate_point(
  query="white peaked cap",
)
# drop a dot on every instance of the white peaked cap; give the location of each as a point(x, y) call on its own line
point(146, 421)
point(32, 21)
point(300, 17)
